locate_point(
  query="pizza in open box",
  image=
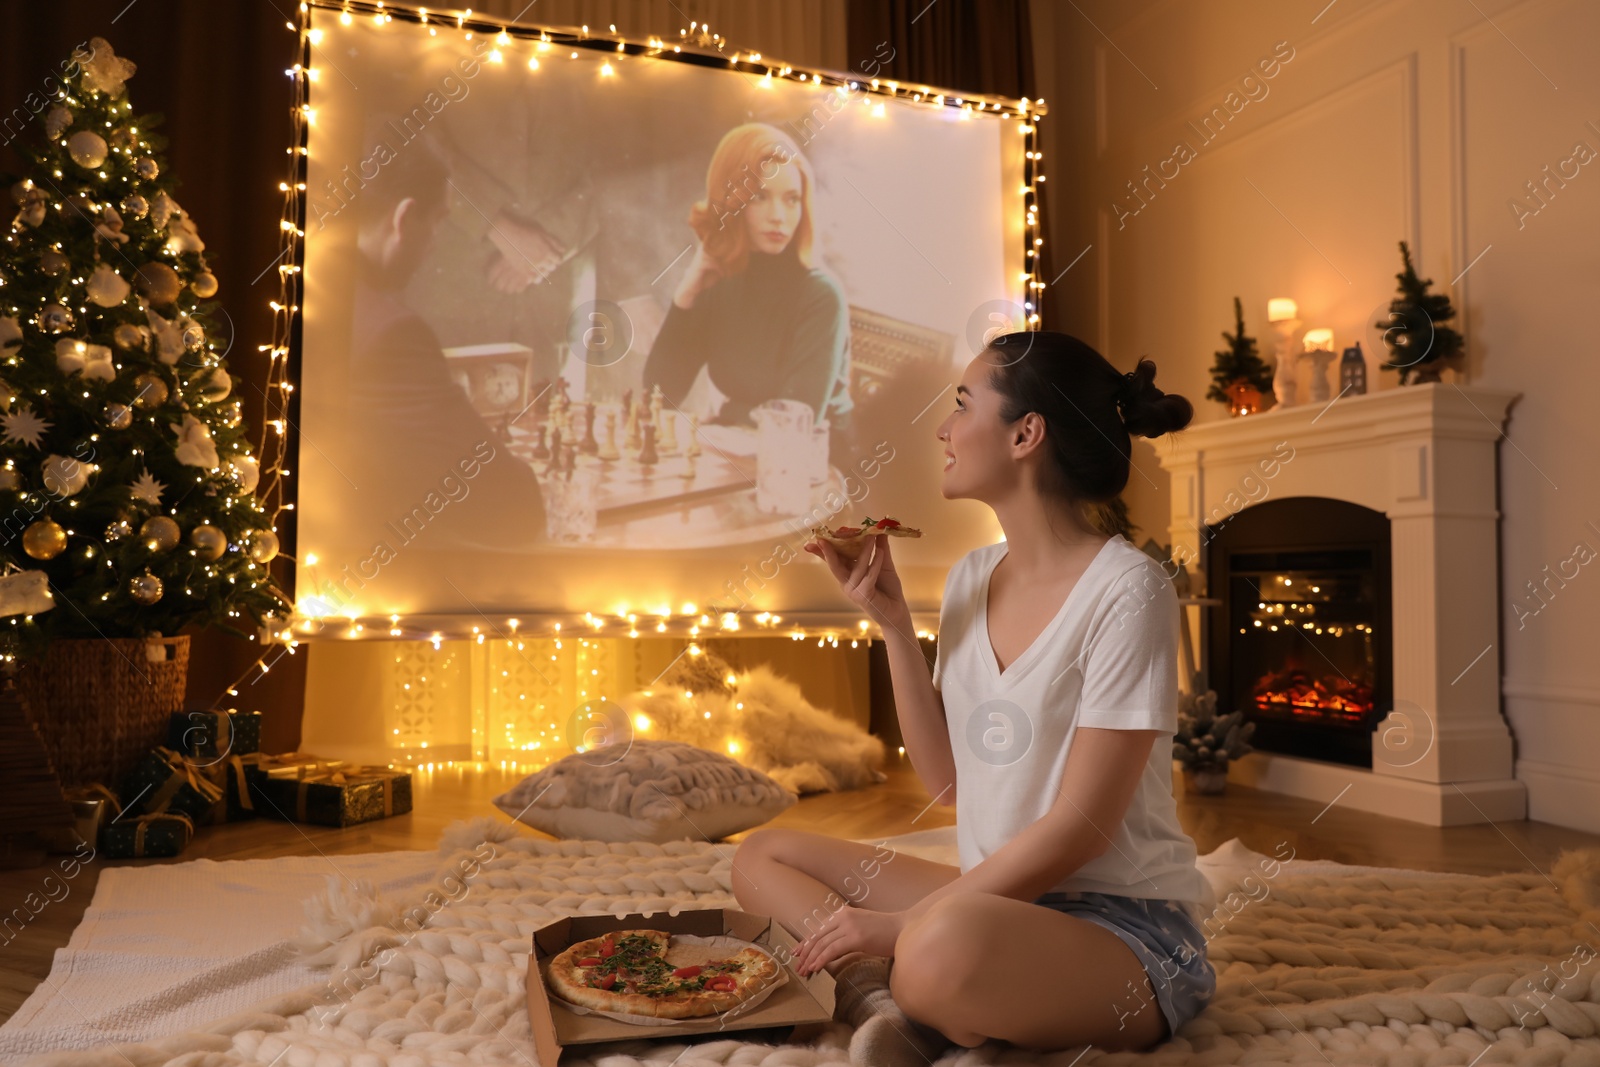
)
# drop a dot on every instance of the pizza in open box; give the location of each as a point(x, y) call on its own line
point(649, 972)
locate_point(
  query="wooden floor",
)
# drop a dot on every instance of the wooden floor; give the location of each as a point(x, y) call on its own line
point(1265, 822)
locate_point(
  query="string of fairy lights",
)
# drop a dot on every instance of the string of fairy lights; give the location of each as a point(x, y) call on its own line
point(536, 46)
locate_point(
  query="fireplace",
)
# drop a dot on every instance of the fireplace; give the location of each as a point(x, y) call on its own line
point(1302, 642)
point(1408, 476)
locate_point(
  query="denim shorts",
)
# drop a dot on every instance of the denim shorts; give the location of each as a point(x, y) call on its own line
point(1170, 946)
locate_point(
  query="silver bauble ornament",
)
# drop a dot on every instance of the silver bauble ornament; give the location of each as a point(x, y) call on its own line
point(87, 148)
point(231, 415)
point(194, 336)
point(146, 168)
point(118, 416)
point(145, 588)
point(116, 531)
point(53, 263)
point(159, 533)
point(263, 546)
point(134, 206)
point(208, 541)
point(53, 318)
point(204, 285)
point(123, 138)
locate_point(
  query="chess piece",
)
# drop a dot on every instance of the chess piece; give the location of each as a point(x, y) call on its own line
point(560, 386)
point(540, 449)
point(608, 448)
point(669, 434)
point(692, 449)
point(631, 441)
point(647, 452)
point(589, 446)
point(555, 450)
point(655, 406)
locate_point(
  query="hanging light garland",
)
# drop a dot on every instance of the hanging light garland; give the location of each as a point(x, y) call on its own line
point(697, 45)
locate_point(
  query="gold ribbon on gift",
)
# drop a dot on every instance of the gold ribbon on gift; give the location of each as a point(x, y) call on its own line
point(218, 775)
point(353, 775)
point(144, 822)
point(162, 798)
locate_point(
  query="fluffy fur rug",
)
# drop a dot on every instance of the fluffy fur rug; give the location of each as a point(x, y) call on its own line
point(802, 747)
point(1379, 969)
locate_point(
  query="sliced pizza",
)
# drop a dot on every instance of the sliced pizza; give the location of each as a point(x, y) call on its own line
point(648, 972)
point(851, 541)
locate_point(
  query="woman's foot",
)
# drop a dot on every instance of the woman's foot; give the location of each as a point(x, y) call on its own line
point(885, 1036)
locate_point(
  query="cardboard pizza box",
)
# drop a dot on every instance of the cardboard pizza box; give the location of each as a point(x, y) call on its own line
point(799, 1000)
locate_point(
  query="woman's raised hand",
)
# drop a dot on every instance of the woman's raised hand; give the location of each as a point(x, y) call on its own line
point(870, 582)
point(702, 274)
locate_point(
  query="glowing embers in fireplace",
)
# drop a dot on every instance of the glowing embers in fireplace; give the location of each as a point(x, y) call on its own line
point(1312, 647)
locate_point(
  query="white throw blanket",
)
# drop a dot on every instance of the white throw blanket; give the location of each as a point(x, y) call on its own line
point(1317, 963)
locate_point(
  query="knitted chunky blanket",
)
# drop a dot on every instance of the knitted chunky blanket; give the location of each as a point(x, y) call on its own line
point(1363, 969)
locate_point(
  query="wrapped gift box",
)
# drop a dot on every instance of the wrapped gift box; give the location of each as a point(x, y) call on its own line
point(164, 781)
point(230, 774)
point(341, 795)
point(166, 834)
point(215, 733)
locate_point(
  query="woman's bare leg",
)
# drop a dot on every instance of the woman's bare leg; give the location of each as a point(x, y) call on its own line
point(979, 965)
point(801, 878)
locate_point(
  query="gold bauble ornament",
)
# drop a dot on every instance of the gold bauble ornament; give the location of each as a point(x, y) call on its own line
point(160, 534)
point(208, 541)
point(135, 206)
point(87, 148)
point(204, 285)
point(119, 529)
point(44, 539)
point(119, 416)
point(53, 263)
point(145, 588)
point(158, 283)
point(149, 391)
point(263, 546)
point(127, 337)
point(10, 478)
point(147, 169)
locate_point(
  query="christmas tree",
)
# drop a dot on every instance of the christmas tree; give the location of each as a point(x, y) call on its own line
point(1238, 363)
point(126, 479)
point(1413, 332)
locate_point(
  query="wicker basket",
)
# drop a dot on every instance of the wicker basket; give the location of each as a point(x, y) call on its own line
point(100, 704)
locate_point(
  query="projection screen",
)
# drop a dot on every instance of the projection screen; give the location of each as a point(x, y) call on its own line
point(593, 332)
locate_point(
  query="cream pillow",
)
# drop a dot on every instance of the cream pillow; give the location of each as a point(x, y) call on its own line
point(645, 791)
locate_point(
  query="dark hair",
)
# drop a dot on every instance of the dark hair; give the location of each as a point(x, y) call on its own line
point(1089, 409)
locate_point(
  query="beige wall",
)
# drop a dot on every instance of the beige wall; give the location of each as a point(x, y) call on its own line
point(1421, 121)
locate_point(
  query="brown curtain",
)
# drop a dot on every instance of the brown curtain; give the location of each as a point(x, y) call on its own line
point(216, 72)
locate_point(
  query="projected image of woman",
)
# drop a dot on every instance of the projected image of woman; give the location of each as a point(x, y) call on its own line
point(753, 307)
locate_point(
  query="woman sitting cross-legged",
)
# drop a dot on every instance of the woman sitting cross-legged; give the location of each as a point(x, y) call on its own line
point(1073, 917)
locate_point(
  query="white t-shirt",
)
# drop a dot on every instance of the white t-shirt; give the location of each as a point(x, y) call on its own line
point(1108, 659)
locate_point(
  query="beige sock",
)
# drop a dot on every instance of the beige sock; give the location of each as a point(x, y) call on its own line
point(885, 1036)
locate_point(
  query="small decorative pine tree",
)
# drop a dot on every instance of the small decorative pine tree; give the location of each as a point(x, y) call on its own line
point(1414, 332)
point(126, 479)
point(1239, 362)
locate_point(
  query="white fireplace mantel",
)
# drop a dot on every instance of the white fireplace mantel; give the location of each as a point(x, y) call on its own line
point(1425, 456)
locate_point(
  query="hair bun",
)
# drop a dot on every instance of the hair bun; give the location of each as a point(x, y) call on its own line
point(1146, 410)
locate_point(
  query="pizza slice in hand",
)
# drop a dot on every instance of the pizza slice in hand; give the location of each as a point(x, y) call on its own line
point(852, 541)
